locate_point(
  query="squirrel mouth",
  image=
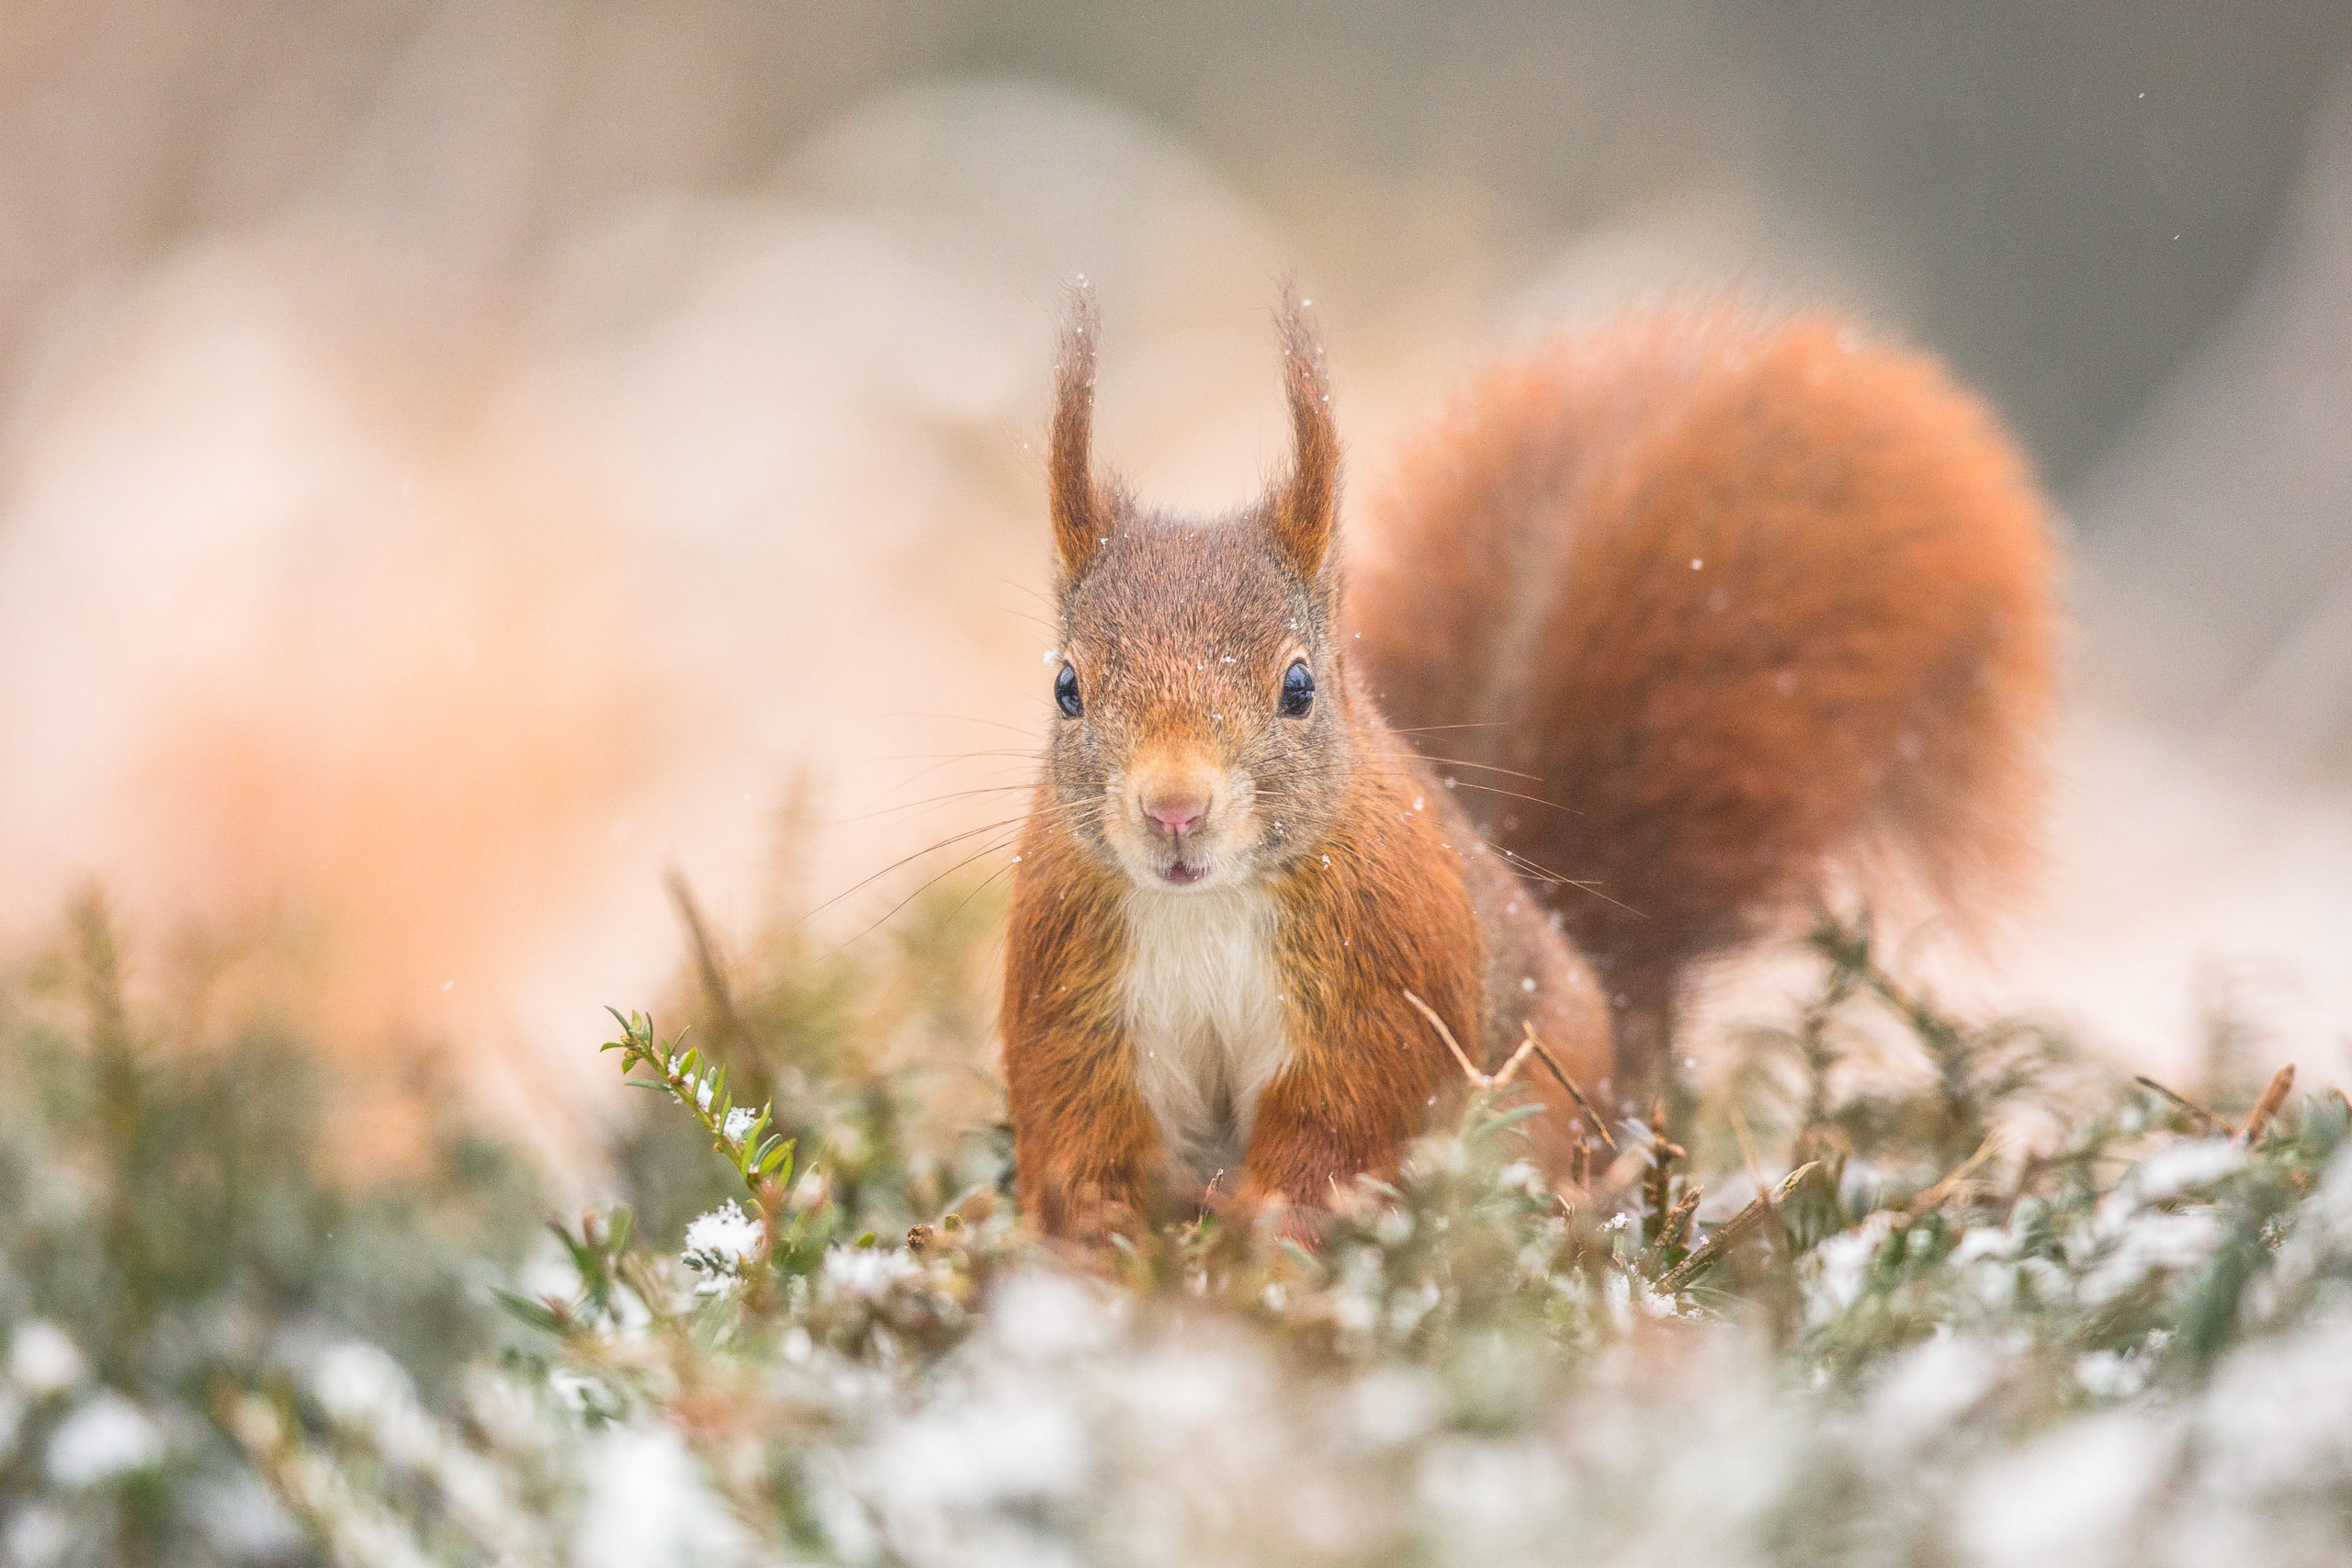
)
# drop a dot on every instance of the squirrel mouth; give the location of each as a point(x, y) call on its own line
point(1183, 875)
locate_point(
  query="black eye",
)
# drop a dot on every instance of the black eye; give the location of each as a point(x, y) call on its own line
point(1298, 689)
point(1066, 692)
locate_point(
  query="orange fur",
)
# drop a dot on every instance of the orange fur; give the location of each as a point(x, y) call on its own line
point(1380, 912)
point(1856, 670)
point(1088, 1151)
point(1754, 603)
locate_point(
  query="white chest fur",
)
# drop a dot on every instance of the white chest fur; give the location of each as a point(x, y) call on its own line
point(1206, 1013)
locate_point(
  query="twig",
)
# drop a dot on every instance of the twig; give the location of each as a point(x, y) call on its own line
point(1729, 1233)
point(1561, 1073)
point(1786, 1298)
point(1678, 1221)
point(2267, 1106)
point(1746, 1147)
point(1950, 1183)
point(1659, 1183)
point(1511, 1067)
point(1468, 1071)
point(2204, 1118)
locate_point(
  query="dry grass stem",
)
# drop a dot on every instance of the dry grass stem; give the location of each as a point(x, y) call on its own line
point(1468, 1069)
point(2204, 1118)
point(1511, 1067)
point(1591, 1115)
point(2258, 1119)
point(1959, 1174)
point(1729, 1233)
point(1676, 1228)
point(1748, 1149)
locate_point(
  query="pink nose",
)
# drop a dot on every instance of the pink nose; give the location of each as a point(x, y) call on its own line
point(1177, 815)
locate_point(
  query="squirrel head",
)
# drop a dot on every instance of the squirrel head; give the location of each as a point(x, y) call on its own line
point(1202, 730)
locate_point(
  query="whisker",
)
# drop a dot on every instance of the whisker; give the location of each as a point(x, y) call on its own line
point(928, 884)
point(943, 763)
point(1490, 789)
point(961, 718)
point(1038, 621)
point(952, 839)
point(957, 756)
point(1022, 588)
point(1556, 880)
point(940, 760)
point(998, 848)
point(1285, 775)
point(1463, 762)
point(986, 882)
point(933, 800)
point(1027, 787)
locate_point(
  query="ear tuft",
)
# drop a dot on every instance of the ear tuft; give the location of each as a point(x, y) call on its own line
point(1081, 517)
point(1305, 506)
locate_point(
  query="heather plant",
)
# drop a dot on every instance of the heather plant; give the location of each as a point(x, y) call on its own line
point(1987, 1304)
point(1992, 1350)
point(171, 1228)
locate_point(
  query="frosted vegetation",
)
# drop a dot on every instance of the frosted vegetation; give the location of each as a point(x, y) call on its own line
point(1889, 1288)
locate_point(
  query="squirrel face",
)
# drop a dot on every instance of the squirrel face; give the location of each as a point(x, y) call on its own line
point(1202, 730)
point(1200, 705)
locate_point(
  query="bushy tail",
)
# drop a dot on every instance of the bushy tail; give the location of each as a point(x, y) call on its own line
point(1756, 603)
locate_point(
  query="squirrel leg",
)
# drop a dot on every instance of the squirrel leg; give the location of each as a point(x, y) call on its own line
point(1332, 1115)
point(1086, 1148)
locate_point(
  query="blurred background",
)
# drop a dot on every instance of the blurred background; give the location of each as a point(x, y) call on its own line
point(461, 463)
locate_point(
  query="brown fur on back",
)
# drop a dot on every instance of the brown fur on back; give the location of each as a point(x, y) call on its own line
point(1753, 602)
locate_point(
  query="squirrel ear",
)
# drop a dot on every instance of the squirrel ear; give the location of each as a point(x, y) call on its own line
point(1306, 508)
point(1081, 520)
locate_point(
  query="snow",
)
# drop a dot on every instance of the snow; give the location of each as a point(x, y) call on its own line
point(244, 1521)
point(649, 1506)
point(867, 1273)
point(1930, 1387)
point(1394, 1405)
point(1840, 1266)
point(2186, 1168)
point(1006, 1440)
point(43, 1359)
point(37, 1538)
point(106, 1439)
point(1036, 1315)
point(2279, 1420)
point(358, 1386)
point(2069, 1497)
point(2146, 1246)
point(720, 1242)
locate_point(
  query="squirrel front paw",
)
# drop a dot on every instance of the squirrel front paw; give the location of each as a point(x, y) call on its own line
point(1087, 1213)
point(1276, 1216)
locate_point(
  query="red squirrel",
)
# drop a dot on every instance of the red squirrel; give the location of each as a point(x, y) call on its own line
point(1704, 610)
